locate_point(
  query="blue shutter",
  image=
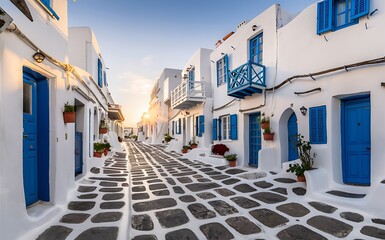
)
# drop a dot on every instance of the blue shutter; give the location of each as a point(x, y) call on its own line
point(233, 127)
point(201, 125)
point(317, 123)
point(324, 16)
point(173, 127)
point(179, 126)
point(100, 78)
point(219, 129)
point(359, 8)
point(47, 4)
point(215, 129)
point(196, 126)
point(226, 67)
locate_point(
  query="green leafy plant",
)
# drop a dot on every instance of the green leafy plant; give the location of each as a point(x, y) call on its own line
point(263, 118)
point(167, 137)
point(268, 130)
point(69, 108)
point(103, 124)
point(99, 147)
point(231, 157)
point(108, 146)
point(186, 147)
point(305, 155)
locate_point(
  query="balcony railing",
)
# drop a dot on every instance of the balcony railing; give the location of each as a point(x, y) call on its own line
point(246, 80)
point(188, 94)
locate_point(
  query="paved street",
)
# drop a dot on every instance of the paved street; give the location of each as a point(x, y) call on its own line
point(162, 197)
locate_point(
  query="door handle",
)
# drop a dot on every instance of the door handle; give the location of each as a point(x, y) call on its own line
point(25, 135)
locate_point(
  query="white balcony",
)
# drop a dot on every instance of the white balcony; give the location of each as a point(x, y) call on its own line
point(188, 94)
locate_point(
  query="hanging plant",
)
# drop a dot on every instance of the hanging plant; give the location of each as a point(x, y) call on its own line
point(69, 114)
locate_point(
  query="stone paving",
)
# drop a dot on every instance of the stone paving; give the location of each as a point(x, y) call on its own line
point(159, 195)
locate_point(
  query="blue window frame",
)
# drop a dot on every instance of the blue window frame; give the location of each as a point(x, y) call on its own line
point(215, 129)
point(201, 125)
point(47, 4)
point(222, 70)
point(100, 73)
point(317, 125)
point(256, 49)
point(333, 15)
point(191, 78)
point(225, 127)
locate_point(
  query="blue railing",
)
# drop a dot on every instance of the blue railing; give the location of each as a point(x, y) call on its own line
point(247, 79)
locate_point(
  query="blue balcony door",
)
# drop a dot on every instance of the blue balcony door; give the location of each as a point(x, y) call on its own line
point(292, 133)
point(254, 139)
point(78, 153)
point(35, 137)
point(356, 144)
point(256, 49)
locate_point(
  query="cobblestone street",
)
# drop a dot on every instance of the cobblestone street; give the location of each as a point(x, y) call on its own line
point(158, 195)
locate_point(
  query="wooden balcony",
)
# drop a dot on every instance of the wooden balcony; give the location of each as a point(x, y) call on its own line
point(246, 80)
point(188, 94)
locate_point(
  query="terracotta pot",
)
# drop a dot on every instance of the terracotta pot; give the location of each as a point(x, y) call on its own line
point(194, 145)
point(265, 125)
point(103, 130)
point(69, 117)
point(184, 150)
point(106, 151)
point(268, 136)
point(232, 163)
point(98, 154)
point(301, 178)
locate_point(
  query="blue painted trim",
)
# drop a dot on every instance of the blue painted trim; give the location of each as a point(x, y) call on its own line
point(347, 17)
point(100, 76)
point(233, 127)
point(359, 8)
point(201, 125)
point(215, 129)
point(47, 4)
point(257, 129)
point(324, 16)
point(317, 125)
point(257, 44)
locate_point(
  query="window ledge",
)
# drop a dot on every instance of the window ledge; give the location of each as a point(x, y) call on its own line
point(49, 10)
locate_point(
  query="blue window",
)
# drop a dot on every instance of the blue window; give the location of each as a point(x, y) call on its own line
point(317, 122)
point(201, 124)
point(215, 129)
point(100, 75)
point(225, 128)
point(333, 15)
point(48, 6)
point(233, 127)
point(178, 126)
point(222, 70)
point(256, 49)
point(191, 78)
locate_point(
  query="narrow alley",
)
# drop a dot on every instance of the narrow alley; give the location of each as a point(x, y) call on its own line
point(159, 195)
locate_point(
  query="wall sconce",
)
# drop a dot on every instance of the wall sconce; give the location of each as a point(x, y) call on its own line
point(303, 110)
point(38, 56)
point(254, 27)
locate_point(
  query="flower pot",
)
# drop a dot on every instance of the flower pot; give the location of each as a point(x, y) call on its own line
point(103, 130)
point(98, 154)
point(301, 178)
point(106, 151)
point(232, 163)
point(265, 125)
point(184, 150)
point(194, 145)
point(69, 117)
point(268, 136)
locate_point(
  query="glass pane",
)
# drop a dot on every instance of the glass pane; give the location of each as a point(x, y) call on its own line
point(27, 98)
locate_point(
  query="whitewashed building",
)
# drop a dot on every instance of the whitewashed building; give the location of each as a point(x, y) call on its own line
point(191, 102)
point(159, 110)
point(41, 155)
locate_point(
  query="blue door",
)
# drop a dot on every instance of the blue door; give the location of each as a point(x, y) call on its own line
point(30, 171)
point(292, 133)
point(356, 144)
point(36, 142)
point(254, 139)
point(78, 153)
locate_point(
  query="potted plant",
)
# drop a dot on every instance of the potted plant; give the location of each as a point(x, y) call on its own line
point(232, 158)
point(268, 135)
point(219, 149)
point(98, 149)
point(193, 144)
point(103, 129)
point(167, 138)
point(69, 113)
point(264, 121)
point(186, 148)
point(307, 159)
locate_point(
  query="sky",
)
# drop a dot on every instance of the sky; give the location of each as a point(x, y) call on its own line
point(139, 38)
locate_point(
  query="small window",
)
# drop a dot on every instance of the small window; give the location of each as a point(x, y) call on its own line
point(222, 68)
point(256, 49)
point(225, 127)
point(191, 78)
point(317, 125)
point(27, 98)
point(100, 73)
point(342, 13)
